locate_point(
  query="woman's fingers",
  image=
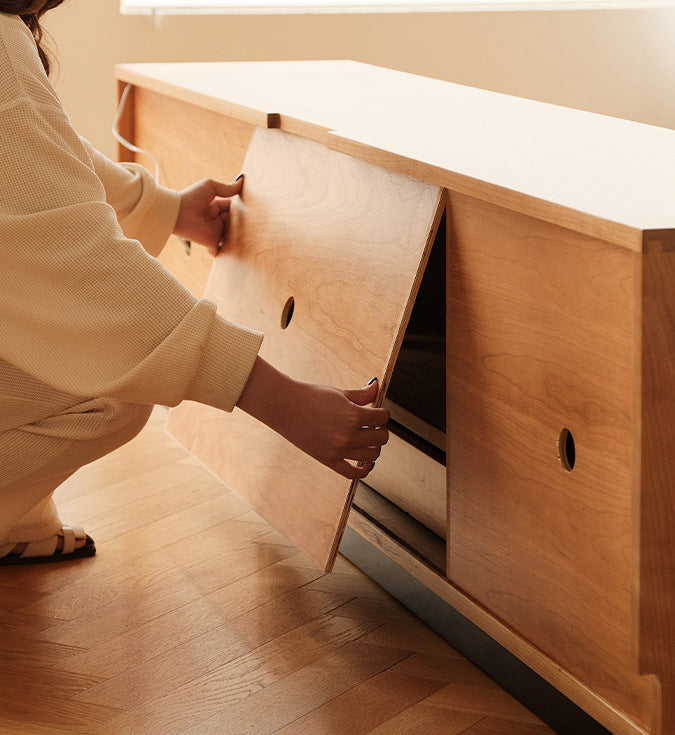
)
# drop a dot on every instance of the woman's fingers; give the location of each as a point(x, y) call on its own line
point(373, 417)
point(227, 190)
point(369, 437)
point(352, 471)
point(366, 454)
point(220, 208)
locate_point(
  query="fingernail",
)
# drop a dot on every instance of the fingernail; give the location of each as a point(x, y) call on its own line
point(371, 381)
point(241, 176)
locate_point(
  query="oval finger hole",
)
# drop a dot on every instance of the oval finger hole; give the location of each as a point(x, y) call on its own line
point(566, 450)
point(287, 313)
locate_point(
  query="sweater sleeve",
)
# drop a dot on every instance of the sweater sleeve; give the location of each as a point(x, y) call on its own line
point(82, 307)
point(145, 210)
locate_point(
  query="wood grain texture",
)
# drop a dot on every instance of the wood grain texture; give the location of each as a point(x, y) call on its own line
point(540, 339)
point(590, 701)
point(183, 84)
point(499, 726)
point(603, 176)
point(654, 498)
point(402, 526)
point(347, 242)
point(413, 481)
point(605, 179)
point(190, 144)
point(246, 639)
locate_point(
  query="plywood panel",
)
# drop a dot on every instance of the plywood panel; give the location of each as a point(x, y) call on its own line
point(540, 335)
point(346, 242)
point(412, 481)
point(183, 137)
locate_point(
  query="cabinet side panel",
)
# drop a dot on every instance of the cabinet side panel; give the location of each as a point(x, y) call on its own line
point(540, 402)
point(655, 586)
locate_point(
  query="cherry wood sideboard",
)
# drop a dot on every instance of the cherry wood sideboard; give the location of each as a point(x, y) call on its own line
point(552, 529)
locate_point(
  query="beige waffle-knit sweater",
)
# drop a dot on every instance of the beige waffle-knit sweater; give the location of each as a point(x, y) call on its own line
point(83, 306)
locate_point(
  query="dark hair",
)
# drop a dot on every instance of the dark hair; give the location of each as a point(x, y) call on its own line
point(30, 12)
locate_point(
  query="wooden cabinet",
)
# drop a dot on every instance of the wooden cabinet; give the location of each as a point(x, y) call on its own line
point(560, 344)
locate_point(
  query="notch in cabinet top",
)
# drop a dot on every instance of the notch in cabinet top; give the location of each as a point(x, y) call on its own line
point(603, 176)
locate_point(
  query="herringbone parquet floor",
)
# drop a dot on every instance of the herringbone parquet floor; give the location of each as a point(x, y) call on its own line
point(196, 617)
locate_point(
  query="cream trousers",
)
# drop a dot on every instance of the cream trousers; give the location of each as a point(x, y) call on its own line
point(45, 436)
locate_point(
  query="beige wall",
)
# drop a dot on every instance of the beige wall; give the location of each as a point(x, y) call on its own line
point(617, 62)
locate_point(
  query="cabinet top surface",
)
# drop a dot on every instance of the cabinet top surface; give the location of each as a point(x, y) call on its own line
point(614, 171)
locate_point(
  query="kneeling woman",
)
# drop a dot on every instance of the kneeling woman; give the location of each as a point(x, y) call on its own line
point(94, 331)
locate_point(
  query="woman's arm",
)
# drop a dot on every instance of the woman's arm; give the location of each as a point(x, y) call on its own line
point(338, 428)
point(146, 211)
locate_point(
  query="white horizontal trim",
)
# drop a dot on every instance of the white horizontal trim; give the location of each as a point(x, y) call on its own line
point(216, 7)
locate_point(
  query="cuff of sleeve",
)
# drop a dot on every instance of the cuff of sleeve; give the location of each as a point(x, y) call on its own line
point(226, 363)
point(159, 221)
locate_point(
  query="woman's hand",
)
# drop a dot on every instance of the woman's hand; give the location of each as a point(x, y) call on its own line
point(204, 211)
point(338, 428)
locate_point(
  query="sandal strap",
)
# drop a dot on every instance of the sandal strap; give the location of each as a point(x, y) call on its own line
point(44, 547)
point(47, 546)
point(70, 535)
point(6, 549)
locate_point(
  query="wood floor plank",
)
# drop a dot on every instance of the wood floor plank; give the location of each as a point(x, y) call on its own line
point(42, 578)
point(52, 714)
point(283, 702)
point(237, 694)
point(19, 624)
point(386, 610)
point(364, 707)
point(15, 597)
point(413, 637)
point(482, 699)
point(45, 682)
point(359, 586)
point(159, 534)
point(131, 460)
point(420, 719)
point(448, 670)
point(22, 728)
point(134, 508)
point(146, 592)
point(225, 663)
point(152, 641)
point(26, 650)
point(255, 589)
point(146, 491)
point(498, 726)
point(164, 591)
point(145, 642)
point(116, 572)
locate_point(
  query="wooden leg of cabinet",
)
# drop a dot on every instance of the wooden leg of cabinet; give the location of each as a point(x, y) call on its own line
point(667, 701)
